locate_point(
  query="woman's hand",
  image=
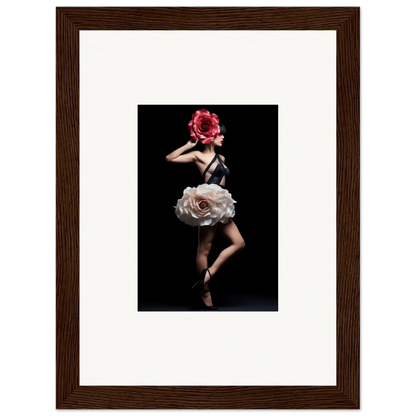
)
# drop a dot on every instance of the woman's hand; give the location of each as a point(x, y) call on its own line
point(191, 143)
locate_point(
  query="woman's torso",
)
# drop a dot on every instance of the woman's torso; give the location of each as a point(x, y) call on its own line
point(215, 171)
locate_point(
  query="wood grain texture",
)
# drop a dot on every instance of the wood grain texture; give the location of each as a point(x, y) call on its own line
point(69, 394)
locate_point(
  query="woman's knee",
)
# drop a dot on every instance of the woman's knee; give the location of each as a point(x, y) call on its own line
point(240, 244)
point(205, 248)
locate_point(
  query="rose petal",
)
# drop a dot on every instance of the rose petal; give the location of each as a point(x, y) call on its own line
point(206, 204)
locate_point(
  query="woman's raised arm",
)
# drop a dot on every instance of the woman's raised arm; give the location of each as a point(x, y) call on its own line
point(177, 156)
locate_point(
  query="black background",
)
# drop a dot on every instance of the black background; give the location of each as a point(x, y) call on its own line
point(167, 247)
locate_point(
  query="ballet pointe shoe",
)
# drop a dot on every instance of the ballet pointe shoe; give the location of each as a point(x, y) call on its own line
point(204, 305)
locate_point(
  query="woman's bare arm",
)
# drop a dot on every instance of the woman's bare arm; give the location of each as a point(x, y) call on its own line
point(177, 156)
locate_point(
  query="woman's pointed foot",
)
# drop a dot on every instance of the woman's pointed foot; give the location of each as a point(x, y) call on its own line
point(206, 299)
point(206, 296)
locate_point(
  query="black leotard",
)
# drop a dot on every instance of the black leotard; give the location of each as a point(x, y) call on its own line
point(216, 172)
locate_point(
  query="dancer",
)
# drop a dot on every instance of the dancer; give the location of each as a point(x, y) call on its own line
point(208, 206)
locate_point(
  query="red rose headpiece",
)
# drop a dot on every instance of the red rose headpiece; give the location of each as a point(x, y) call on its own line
point(204, 126)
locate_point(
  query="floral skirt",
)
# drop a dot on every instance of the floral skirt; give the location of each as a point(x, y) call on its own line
point(207, 204)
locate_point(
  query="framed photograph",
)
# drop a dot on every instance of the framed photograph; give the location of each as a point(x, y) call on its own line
point(207, 208)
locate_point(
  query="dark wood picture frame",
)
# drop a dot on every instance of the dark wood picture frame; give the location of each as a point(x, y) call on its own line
point(345, 21)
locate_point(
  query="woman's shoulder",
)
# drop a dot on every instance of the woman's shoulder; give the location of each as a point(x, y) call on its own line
point(222, 157)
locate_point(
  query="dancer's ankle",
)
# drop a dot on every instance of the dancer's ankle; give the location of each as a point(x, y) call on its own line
point(207, 277)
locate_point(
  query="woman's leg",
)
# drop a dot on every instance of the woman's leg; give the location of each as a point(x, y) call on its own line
point(205, 236)
point(232, 234)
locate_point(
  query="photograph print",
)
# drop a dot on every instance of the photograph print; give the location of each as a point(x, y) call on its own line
point(208, 207)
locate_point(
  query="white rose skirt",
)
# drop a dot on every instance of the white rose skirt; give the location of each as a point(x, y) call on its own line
point(207, 204)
